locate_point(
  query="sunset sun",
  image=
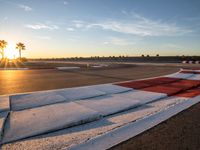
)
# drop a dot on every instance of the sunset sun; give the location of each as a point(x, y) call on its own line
point(10, 51)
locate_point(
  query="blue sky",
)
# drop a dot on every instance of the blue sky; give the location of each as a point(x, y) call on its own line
point(67, 28)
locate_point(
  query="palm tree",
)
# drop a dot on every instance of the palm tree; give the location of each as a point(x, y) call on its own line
point(20, 46)
point(3, 45)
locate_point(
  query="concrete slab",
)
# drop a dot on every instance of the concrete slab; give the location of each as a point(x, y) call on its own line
point(143, 96)
point(25, 101)
point(64, 139)
point(31, 122)
point(109, 104)
point(195, 77)
point(80, 93)
point(111, 89)
point(3, 116)
point(4, 103)
point(131, 129)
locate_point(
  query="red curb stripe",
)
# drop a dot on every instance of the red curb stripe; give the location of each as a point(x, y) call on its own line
point(164, 89)
point(169, 86)
point(189, 93)
point(175, 87)
point(185, 84)
point(147, 83)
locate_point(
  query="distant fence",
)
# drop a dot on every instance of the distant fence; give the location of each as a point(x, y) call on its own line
point(156, 59)
point(190, 62)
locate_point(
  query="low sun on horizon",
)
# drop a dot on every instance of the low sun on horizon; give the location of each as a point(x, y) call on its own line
point(10, 51)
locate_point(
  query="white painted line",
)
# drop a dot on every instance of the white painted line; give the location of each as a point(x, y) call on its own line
point(190, 70)
point(110, 88)
point(180, 75)
point(96, 66)
point(67, 68)
point(130, 130)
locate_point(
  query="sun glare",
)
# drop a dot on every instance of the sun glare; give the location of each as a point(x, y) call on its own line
point(10, 51)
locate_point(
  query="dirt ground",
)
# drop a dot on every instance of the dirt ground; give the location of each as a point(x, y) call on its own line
point(181, 132)
point(20, 81)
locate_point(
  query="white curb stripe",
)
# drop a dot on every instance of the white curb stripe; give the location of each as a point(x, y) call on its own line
point(110, 88)
point(128, 131)
point(180, 75)
point(27, 123)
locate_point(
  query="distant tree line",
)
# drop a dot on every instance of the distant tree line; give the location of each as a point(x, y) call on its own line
point(122, 58)
point(3, 44)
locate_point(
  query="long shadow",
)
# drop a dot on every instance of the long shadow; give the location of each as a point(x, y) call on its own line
point(103, 122)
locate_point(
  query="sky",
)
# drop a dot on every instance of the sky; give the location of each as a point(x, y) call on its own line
point(84, 28)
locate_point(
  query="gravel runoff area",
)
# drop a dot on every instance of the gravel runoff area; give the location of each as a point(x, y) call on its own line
point(179, 132)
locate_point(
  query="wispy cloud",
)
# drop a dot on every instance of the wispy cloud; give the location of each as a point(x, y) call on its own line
point(141, 26)
point(118, 41)
point(25, 7)
point(70, 29)
point(124, 12)
point(136, 25)
point(43, 37)
point(172, 45)
point(79, 23)
point(3, 20)
point(40, 26)
point(65, 3)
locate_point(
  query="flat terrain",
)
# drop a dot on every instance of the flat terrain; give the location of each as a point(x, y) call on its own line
point(19, 81)
point(179, 132)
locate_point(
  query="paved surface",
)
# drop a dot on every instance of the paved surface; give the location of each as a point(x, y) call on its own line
point(20, 81)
